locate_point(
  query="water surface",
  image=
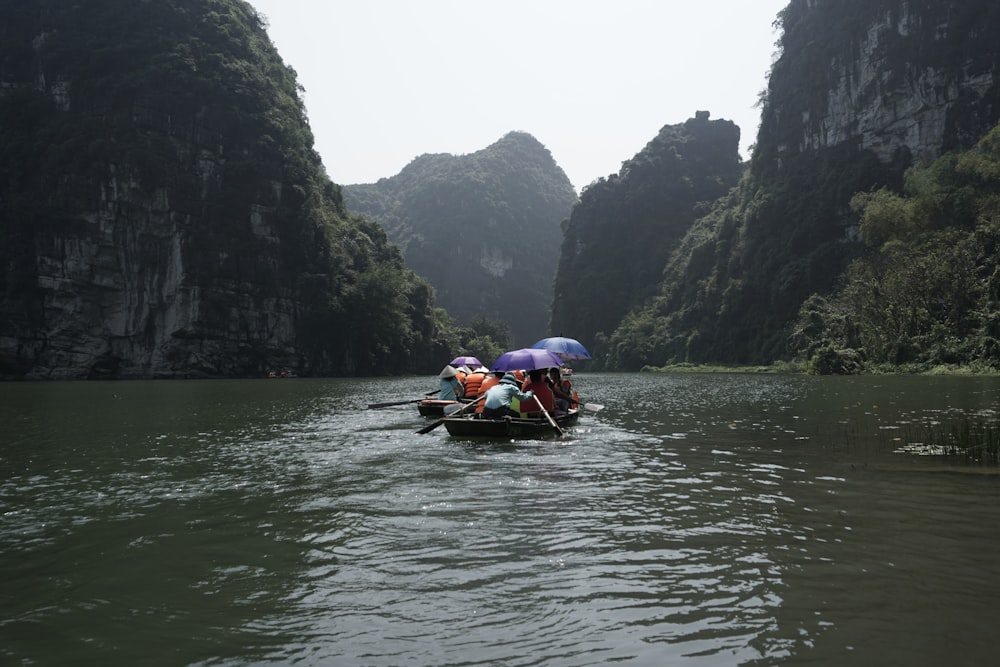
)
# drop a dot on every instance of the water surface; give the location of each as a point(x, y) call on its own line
point(695, 520)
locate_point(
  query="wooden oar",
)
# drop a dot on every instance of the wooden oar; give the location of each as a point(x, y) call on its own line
point(375, 406)
point(454, 411)
point(549, 417)
point(553, 422)
point(593, 407)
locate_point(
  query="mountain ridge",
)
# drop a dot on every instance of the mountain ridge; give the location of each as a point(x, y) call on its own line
point(483, 228)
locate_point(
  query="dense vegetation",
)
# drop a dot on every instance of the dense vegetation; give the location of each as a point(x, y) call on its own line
point(619, 238)
point(177, 120)
point(483, 228)
point(926, 292)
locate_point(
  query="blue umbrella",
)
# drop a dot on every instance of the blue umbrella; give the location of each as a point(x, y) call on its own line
point(566, 348)
point(526, 359)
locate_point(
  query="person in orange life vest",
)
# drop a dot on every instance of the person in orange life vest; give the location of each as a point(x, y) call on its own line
point(562, 390)
point(537, 385)
point(491, 380)
point(474, 382)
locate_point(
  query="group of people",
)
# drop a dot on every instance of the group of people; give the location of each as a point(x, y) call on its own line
point(538, 390)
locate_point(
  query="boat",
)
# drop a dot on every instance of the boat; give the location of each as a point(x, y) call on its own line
point(532, 428)
point(432, 407)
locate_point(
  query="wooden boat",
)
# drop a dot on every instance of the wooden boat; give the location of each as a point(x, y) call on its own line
point(507, 428)
point(432, 407)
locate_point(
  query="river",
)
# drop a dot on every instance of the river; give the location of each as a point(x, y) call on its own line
point(702, 519)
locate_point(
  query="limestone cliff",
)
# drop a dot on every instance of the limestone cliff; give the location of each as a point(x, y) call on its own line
point(886, 76)
point(860, 90)
point(163, 213)
point(620, 236)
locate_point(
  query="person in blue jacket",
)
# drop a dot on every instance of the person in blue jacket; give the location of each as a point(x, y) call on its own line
point(451, 386)
point(498, 398)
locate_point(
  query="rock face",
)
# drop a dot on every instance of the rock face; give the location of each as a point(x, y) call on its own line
point(121, 291)
point(163, 213)
point(887, 76)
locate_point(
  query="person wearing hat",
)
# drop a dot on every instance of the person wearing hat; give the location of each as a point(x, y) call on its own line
point(451, 386)
point(499, 396)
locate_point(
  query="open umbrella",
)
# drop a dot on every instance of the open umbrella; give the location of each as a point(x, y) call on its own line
point(566, 348)
point(471, 362)
point(526, 359)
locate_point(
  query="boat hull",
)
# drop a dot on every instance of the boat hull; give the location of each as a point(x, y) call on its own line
point(508, 428)
point(433, 407)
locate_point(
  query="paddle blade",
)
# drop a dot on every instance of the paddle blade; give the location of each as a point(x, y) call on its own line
point(593, 407)
point(430, 427)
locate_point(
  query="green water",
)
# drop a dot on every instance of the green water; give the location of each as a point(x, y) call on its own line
point(695, 520)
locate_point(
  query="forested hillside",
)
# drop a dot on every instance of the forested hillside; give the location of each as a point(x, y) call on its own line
point(926, 291)
point(860, 92)
point(163, 212)
point(483, 228)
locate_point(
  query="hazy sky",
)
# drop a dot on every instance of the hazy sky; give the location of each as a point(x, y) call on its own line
point(593, 80)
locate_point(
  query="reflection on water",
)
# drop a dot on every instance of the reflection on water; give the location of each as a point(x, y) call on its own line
point(697, 519)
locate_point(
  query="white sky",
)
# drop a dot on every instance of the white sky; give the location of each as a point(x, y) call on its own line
point(592, 80)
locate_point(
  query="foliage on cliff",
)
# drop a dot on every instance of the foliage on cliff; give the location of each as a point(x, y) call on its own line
point(163, 147)
point(927, 290)
point(619, 238)
point(483, 228)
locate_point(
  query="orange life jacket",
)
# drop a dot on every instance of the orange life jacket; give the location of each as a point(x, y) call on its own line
point(473, 384)
point(489, 381)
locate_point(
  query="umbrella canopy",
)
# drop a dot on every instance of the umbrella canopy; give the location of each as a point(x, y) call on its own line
point(471, 362)
point(566, 348)
point(526, 359)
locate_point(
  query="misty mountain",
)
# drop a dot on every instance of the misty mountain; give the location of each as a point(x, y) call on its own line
point(483, 228)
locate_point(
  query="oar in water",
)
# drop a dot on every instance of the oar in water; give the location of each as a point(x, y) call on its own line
point(549, 417)
point(449, 410)
point(593, 407)
point(375, 406)
point(545, 412)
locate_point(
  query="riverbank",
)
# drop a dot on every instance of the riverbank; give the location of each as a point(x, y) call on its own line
point(803, 368)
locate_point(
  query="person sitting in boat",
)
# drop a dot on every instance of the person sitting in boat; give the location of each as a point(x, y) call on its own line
point(538, 385)
point(498, 398)
point(451, 386)
point(491, 380)
point(562, 389)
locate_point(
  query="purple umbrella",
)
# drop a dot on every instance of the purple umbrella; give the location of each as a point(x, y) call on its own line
point(526, 359)
point(566, 348)
point(471, 362)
